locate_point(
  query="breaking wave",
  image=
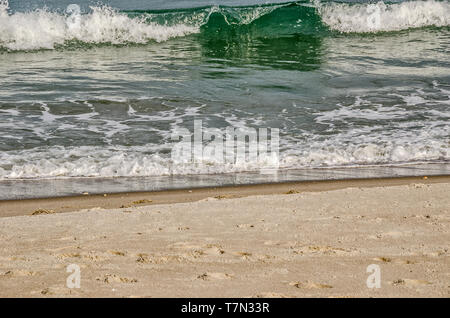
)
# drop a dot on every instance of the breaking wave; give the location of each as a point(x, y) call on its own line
point(45, 29)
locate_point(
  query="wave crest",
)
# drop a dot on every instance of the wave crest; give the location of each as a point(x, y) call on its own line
point(376, 17)
point(42, 29)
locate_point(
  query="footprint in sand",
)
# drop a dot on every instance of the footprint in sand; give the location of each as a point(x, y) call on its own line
point(247, 256)
point(193, 254)
point(245, 226)
point(322, 250)
point(404, 261)
point(395, 261)
point(383, 259)
point(19, 273)
point(68, 255)
point(309, 285)
point(208, 250)
point(144, 258)
point(92, 256)
point(244, 255)
point(118, 253)
point(46, 291)
point(214, 249)
point(410, 282)
point(392, 234)
point(112, 278)
point(214, 276)
point(198, 250)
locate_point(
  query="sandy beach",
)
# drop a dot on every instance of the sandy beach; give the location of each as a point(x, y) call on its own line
point(227, 149)
point(286, 240)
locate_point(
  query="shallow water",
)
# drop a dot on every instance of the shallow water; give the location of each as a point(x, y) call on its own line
point(100, 92)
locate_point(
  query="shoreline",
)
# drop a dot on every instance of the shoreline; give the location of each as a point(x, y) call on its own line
point(20, 207)
point(18, 189)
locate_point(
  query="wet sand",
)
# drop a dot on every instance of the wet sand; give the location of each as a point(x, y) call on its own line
point(117, 200)
point(311, 239)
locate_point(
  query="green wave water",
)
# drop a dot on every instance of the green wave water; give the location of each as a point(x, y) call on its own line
point(46, 29)
point(271, 20)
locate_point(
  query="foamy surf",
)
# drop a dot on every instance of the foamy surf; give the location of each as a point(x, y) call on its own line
point(376, 17)
point(46, 29)
point(43, 29)
point(135, 161)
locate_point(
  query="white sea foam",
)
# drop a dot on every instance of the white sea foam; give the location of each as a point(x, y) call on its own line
point(60, 162)
point(43, 29)
point(414, 129)
point(121, 161)
point(379, 16)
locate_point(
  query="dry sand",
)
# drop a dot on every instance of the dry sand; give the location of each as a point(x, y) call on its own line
point(292, 244)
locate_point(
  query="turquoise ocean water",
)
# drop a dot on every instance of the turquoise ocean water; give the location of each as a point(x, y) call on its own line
point(91, 92)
